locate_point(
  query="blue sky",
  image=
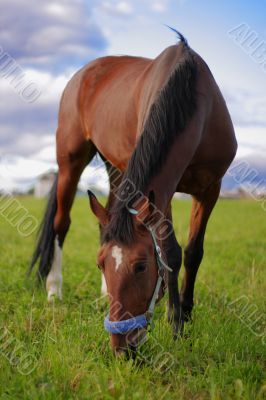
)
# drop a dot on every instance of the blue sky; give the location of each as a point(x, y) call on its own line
point(50, 40)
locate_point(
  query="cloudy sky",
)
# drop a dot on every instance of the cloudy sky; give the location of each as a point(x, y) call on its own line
point(50, 40)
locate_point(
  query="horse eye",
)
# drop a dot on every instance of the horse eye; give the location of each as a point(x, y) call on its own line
point(140, 268)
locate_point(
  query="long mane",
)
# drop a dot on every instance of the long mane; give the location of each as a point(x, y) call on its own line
point(168, 117)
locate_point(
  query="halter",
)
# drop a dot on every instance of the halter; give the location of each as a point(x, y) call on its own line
point(143, 320)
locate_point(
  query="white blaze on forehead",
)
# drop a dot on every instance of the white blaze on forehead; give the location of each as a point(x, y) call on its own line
point(117, 254)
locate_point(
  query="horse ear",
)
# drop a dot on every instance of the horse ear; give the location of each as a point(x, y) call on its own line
point(98, 210)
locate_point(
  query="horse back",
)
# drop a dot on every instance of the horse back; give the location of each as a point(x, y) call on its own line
point(112, 98)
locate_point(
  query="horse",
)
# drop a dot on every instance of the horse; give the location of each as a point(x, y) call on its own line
point(162, 126)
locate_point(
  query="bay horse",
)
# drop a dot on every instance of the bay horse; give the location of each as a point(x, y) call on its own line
point(162, 123)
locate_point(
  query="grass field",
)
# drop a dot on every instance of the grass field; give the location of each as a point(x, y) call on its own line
point(61, 351)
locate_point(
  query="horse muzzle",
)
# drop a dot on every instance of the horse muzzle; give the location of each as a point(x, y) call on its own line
point(127, 345)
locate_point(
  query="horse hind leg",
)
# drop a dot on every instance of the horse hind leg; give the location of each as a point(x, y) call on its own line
point(70, 170)
point(66, 188)
point(56, 221)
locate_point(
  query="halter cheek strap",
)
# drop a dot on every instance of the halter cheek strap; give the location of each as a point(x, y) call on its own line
point(143, 320)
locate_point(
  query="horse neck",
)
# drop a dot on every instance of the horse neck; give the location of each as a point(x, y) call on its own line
point(165, 183)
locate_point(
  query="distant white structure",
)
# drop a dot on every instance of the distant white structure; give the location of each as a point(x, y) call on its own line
point(44, 184)
point(94, 177)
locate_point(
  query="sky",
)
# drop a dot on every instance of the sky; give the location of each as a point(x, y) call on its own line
point(49, 40)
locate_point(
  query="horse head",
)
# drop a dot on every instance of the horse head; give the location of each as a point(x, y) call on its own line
point(134, 271)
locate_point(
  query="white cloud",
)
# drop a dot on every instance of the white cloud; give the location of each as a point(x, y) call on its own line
point(58, 10)
point(41, 33)
point(163, 5)
point(46, 154)
point(47, 43)
point(246, 106)
point(158, 6)
point(21, 173)
point(26, 127)
point(124, 7)
point(118, 9)
point(251, 140)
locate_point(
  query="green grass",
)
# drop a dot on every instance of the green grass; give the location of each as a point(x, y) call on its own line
point(222, 355)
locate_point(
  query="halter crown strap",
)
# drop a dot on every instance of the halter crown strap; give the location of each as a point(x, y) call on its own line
point(158, 251)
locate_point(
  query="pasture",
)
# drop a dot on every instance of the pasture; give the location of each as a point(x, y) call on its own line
point(61, 351)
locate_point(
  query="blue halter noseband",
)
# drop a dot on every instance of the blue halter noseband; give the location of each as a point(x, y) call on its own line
point(143, 320)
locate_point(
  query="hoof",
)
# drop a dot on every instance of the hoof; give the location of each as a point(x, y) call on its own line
point(178, 329)
point(187, 312)
point(176, 319)
point(53, 294)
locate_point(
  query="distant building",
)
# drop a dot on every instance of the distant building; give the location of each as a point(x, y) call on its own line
point(44, 184)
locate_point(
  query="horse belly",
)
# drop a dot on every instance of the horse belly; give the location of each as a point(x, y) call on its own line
point(197, 178)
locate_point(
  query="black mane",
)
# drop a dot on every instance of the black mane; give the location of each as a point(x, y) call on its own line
point(168, 117)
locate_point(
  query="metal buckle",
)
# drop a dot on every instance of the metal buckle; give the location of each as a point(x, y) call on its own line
point(158, 250)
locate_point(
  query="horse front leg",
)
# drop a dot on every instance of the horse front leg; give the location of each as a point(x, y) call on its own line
point(202, 207)
point(174, 259)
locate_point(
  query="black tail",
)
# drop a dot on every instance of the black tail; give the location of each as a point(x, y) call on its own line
point(46, 236)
